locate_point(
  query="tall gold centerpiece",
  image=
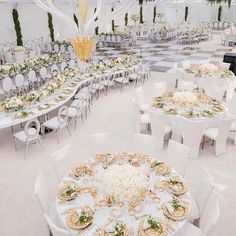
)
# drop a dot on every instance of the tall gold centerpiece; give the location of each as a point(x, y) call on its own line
point(83, 46)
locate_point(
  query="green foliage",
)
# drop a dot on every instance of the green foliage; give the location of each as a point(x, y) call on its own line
point(154, 14)
point(220, 1)
point(113, 22)
point(141, 15)
point(126, 19)
point(16, 21)
point(76, 20)
point(186, 14)
point(219, 13)
point(96, 29)
point(50, 26)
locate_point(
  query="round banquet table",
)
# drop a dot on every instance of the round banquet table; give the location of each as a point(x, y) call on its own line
point(105, 213)
point(8, 119)
point(177, 121)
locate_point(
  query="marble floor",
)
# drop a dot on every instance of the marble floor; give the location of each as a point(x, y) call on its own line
point(20, 212)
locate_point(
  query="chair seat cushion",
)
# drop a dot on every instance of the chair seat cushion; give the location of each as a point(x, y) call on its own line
point(52, 123)
point(133, 76)
point(23, 137)
point(107, 83)
point(121, 80)
point(211, 133)
point(71, 113)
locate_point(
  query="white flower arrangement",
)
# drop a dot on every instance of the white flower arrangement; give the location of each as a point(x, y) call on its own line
point(123, 182)
point(12, 104)
point(185, 97)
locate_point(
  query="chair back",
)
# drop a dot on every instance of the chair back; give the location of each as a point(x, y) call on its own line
point(223, 131)
point(210, 215)
point(32, 133)
point(63, 115)
point(8, 57)
point(158, 124)
point(186, 86)
point(62, 49)
point(19, 80)
point(54, 69)
point(56, 48)
point(192, 135)
point(42, 193)
point(72, 64)
point(140, 97)
point(217, 92)
point(177, 156)
point(43, 73)
point(159, 88)
point(7, 84)
point(145, 144)
point(63, 66)
point(56, 231)
point(32, 76)
point(60, 162)
point(100, 143)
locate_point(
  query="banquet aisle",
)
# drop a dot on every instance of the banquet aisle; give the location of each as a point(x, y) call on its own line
point(113, 113)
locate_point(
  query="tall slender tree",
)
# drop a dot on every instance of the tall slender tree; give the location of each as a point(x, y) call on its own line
point(16, 21)
point(50, 26)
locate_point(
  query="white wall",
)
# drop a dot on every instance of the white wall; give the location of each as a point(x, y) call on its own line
point(34, 21)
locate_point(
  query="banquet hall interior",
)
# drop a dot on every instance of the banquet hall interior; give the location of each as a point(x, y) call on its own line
point(117, 117)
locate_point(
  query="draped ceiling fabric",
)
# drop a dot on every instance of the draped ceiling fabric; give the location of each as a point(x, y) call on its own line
point(34, 20)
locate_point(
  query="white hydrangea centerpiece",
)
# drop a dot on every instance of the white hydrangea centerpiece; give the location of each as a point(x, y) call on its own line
point(123, 182)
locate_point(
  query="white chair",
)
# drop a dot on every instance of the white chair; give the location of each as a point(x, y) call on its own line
point(45, 197)
point(159, 128)
point(122, 80)
point(159, 88)
point(20, 56)
point(145, 144)
point(217, 92)
point(141, 100)
point(63, 66)
point(56, 48)
point(186, 86)
point(177, 156)
point(192, 135)
point(7, 86)
point(219, 134)
point(108, 82)
point(32, 78)
point(59, 122)
point(61, 162)
point(100, 143)
point(142, 118)
point(201, 185)
point(208, 221)
point(74, 111)
point(29, 135)
point(54, 70)
point(44, 74)
point(8, 57)
point(72, 64)
point(19, 81)
point(56, 231)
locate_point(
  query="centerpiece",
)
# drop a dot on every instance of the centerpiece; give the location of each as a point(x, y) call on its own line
point(124, 182)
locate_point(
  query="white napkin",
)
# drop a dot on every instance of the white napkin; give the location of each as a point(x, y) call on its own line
point(146, 225)
point(109, 228)
point(170, 208)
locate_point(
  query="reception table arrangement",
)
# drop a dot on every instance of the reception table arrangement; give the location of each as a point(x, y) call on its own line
point(12, 69)
point(188, 104)
point(209, 71)
point(123, 194)
point(59, 90)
